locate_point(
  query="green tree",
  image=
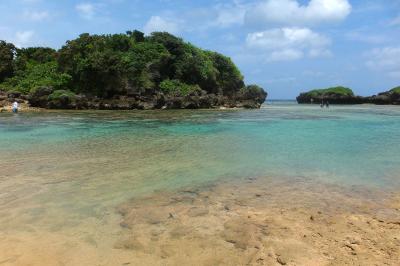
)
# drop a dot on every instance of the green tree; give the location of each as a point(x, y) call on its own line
point(7, 52)
point(138, 36)
point(36, 75)
point(94, 62)
point(113, 64)
point(39, 55)
point(229, 79)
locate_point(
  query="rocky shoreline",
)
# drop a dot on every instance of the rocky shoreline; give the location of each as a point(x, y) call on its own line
point(388, 97)
point(149, 100)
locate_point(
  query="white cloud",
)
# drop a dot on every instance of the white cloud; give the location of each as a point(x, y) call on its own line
point(363, 36)
point(198, 19)
point(266, 12)
point(284, 44)
point(229, 15)
point(285, 55)
point(36, 15)
point(23, 38)
point(291, 12)
point(286, 37)
point(386, 59)
point(157, 23)
point(86, 10)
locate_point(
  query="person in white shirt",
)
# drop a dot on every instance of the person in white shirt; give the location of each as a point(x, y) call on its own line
point(15, 107)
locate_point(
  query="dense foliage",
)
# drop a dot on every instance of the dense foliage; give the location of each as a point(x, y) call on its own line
point(35, 75)
point(35, 67)
point(120, 64)
point(7, 51)
point(396, 90)
point(333, 90)
point(177, 88)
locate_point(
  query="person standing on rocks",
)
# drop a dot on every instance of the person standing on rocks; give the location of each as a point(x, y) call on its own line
point(15, 107)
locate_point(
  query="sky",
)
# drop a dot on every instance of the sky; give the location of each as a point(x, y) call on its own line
point(285, 46)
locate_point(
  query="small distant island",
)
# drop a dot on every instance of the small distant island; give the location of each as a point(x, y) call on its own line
point(122, 72)
point(343, 95)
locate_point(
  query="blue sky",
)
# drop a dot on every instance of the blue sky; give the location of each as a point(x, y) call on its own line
point(286, 46)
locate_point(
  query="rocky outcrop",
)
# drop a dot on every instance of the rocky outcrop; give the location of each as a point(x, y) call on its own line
point(47, 97)
point(335, 95)
point(341, 95)
point(333, 98)
point(7, 98)
point(388, 97)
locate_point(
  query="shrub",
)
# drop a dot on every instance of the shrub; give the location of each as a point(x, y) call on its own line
point(37, 75)
point(333, 90)
point(58, 94)
point(396, 90)
point(177, 88)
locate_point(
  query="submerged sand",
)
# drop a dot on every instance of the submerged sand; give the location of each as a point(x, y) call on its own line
point(241, 222)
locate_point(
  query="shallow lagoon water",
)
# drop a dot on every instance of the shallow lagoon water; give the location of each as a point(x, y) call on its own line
point(65, 171)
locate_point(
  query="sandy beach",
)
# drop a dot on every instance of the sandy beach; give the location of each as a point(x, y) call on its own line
point(247, 222)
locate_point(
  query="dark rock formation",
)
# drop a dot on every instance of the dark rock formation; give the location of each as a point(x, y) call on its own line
point(47, 97)
point(304, 98)
point(7, 98)
point(388, 97)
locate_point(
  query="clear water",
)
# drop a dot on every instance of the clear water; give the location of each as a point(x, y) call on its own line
point(60, 168)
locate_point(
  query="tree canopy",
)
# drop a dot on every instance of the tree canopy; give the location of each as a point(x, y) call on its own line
point(118, 64)
point(7, 52)
point(333, 90)
point(395, 90)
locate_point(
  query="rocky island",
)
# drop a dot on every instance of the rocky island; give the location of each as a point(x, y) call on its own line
point(343, 95)
point(389, 97)
point(334, 95)
point(123, 71)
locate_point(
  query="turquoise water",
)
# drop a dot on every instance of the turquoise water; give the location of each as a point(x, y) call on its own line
point(352, 144)
point(64, 173)
point(87, 162)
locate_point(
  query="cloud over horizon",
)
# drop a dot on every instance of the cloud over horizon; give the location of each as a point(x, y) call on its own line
point(287, 44)
point(354, 42)
point(157, 23)
point(386, 59)
point(86, 10)
point(291, 12)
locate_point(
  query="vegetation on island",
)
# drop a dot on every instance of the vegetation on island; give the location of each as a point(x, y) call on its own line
point(106, 66)
point(339, 90)
point(396, 90)
point(343, 95)
point(334, 95)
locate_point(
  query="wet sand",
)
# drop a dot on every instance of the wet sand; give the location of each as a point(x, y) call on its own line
point(240, 222)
